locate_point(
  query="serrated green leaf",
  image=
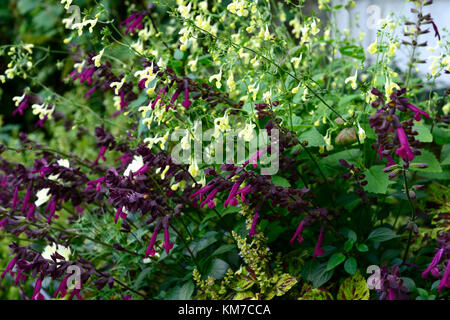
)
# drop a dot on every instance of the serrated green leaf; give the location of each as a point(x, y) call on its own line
point(429, 158)
point(314, 138)
point(377, 180)
point(424, 133)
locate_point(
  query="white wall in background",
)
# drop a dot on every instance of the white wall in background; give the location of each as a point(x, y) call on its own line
point(439, 10)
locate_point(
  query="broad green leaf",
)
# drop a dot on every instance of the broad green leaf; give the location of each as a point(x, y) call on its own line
point(335, 260)
point(377, 180)
point(348, 245)
point(424, 133)
point(350, 265)
point(445, 155)
point(321, 275)
point(284, 284)
point(361, 247)
point(217, 268)
point(382, 234)
point(353, 51)
point(314, 138)
point(349, 155)
point(354, 288)
point(280, 181)
point(429, 158)
point(247, 295)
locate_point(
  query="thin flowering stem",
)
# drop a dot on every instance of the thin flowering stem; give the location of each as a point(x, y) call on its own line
point(413, 215)
point(192, 23)
point(180, 236)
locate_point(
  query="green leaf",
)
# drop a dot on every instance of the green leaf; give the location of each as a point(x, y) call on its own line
point(361, 247)
point(381, 235)
point(182, 293)
point(348, 245)
point(284, 284)
point(335, 260)
point(223, 249)
point(424, 133)
point(321, 275)
point(314, 138)
point(354, 288)
point(178, 54)
point(349, 155)
point(280, 181)
point(353, 51)
point(429, 158)
point(316, 294)
point(217, 268)
point(445, 155)
point(377, 180)
point(243, 283)
point(350, 265)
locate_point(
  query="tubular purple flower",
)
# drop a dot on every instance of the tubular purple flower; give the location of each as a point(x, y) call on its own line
point(150, 249)
point(30, 213)
point(434, 262)
point(26, 199)
point(318, 251)
point(252, 231)
point(209, 198)
point(62, 288)
point(37, 290)
point(97, 182)
point(9, 267)
point(22, 106)
point(201, 192)
point(186, 103)
point(253, 159)
point(167, 244)
point(298, 232)
point(101, 154)
point(417, 112)
point(244, 191)
point(15, 198)
point(232, 193)
point(404, 151)
point(445, 281)
point(120, 213)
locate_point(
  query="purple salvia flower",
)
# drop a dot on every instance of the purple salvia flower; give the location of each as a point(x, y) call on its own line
point(404, 151)
point(318, 251)
point(253, 159)
point(15, 198)
point(62, 288)
point(101, 154)
point(445, 281)
point(37, 290)
point(209, 198)
point(232, 194)
point(434, 262)
point(417, 112)
point(120, 213)
point(298, 232)
point(186, 103)
point(9, 267)
point(150, 249)
point(167, 244)
point(252, 231)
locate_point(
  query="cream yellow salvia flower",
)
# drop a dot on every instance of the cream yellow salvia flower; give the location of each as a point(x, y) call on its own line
point(352, 80)
point(135, 165)
point(373, 47)
point(50, 250)
point(98, 57)
point(67, 2)
point(42, 197)
point(217, 78)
